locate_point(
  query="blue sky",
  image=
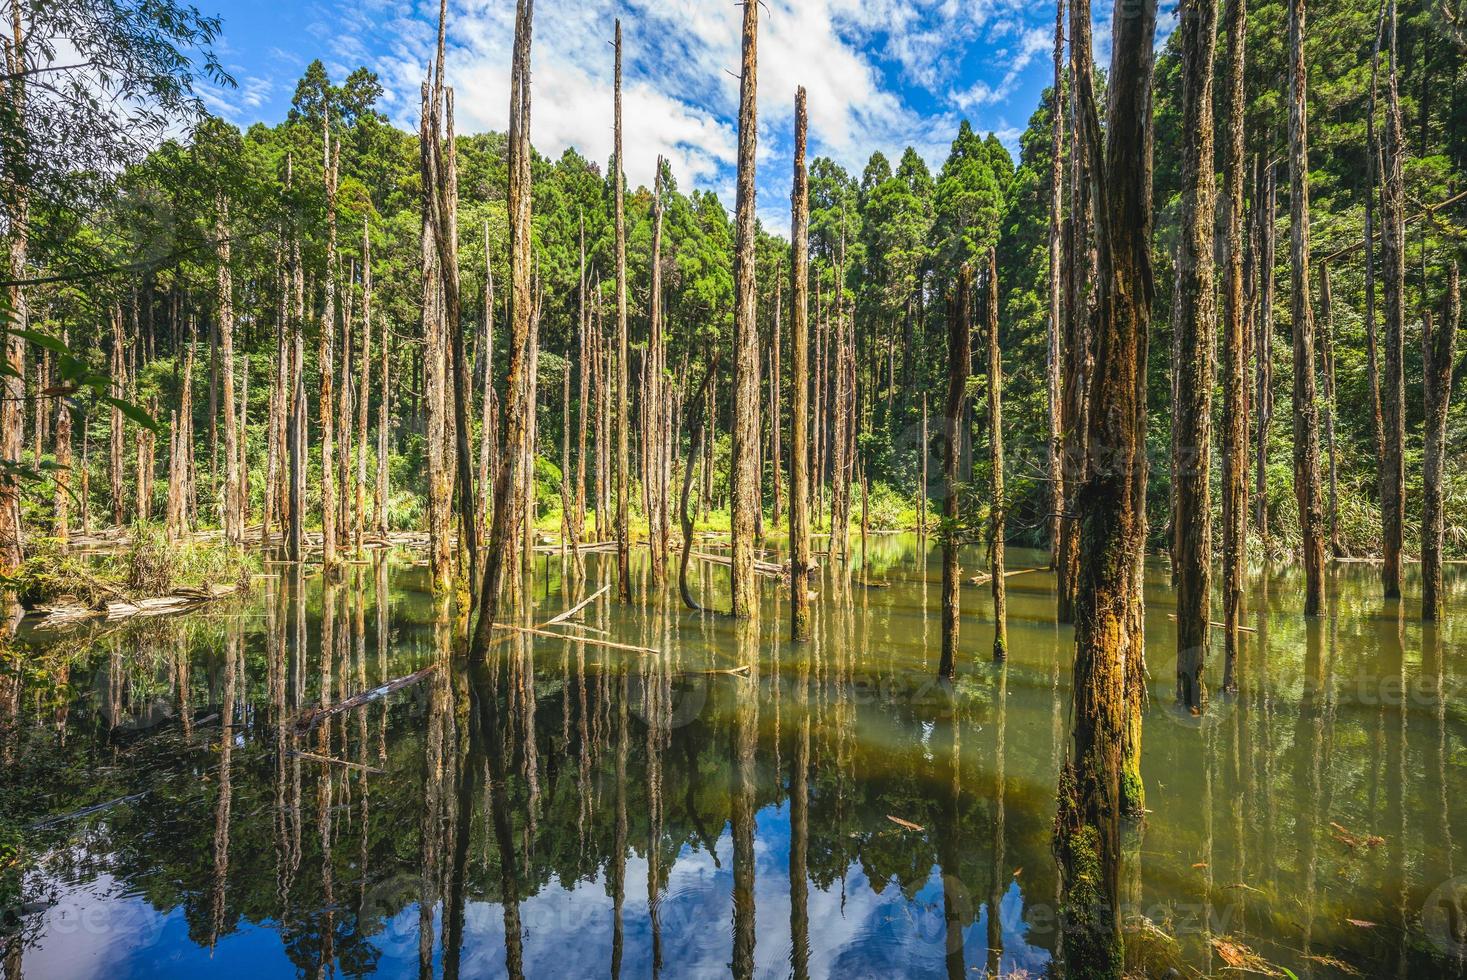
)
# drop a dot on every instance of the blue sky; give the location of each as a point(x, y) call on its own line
point(881, 74)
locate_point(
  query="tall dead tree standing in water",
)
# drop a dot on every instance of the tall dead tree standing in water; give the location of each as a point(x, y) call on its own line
point(233, 529)
point(1078, 307)
point(1393, 265)
point(1438, 347)
point(1194, 330)
point(1265, 209)
point(622, 400)
point(1053, 360)
point(1234, 348)
point(1101, 778)
point(1306, 409)
point(744, 480)
point(997, 505)
point(800, 382)
point(326, 353)
point(506, 502)
point(959, 356)
point(652, 446)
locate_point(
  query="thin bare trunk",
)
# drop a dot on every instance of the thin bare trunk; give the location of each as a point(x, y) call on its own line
point(800, 572)
point(1053, 362)
point(998, 504)
point(1393, 264)
point(959, 356)
point(623, 393)
point(1438, 349)
point(744, 476)
point(326, 353)
point(1306, 408)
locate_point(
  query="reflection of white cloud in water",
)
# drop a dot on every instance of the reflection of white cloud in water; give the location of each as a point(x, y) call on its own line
point(854, 931)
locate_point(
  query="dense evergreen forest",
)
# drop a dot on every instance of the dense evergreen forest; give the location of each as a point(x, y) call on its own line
point(1209, 314)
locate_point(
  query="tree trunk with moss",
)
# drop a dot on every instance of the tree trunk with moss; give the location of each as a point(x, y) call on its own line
point(1101, 779)
point(1194, 331)
point(1234, 348)
point(1053, 361)
point(1307, 491)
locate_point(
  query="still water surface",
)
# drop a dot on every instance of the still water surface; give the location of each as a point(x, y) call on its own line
point(729, 803)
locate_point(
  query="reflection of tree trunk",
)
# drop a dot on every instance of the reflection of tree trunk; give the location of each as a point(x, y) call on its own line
point(959, 353)
point(999, 880)
point(617, 873)
point(800, 817)
point(232, 656)
point(956, 901)
point(745, 736)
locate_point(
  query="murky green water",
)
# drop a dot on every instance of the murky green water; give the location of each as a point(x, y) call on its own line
point(828, 810)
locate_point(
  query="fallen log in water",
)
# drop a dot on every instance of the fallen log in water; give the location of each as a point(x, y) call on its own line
point(312, 718)
point(761, 567)
point(589, 641)
point(179, 600)
point(983, 578)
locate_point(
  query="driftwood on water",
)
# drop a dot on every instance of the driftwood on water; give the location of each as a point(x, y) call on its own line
point(313, 717)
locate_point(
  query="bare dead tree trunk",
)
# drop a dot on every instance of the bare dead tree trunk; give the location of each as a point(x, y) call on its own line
point(274, 430)
point(1194, 326)
point(435, 368)
point(800, 571)
point(1080, 263)
point(326, 354)
point(62, 499)
point(1372, 166)
point(1101, 777)
point(119, 390)
point(652, 406)
point(364, 391)
point(384, 416)
point(922, 487)
point(998, 504)
point(1234, 348)
point(744, 477)
point(959, 356)
point(506, 504)
point(1306, 409)
point(584, 342)
point(296, 427)
point(623, 393)
point(1056, 271)
point(775, 450)
point(1393, 263)
point(1327, 341)
point(1438, 349)
point(17, 206)
point(1264, 349)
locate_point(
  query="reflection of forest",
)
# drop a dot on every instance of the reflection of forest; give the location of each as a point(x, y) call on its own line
point(748, 786)
point(492, 787)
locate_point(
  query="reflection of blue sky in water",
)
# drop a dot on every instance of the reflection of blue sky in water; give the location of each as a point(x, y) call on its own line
point(568, 932)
